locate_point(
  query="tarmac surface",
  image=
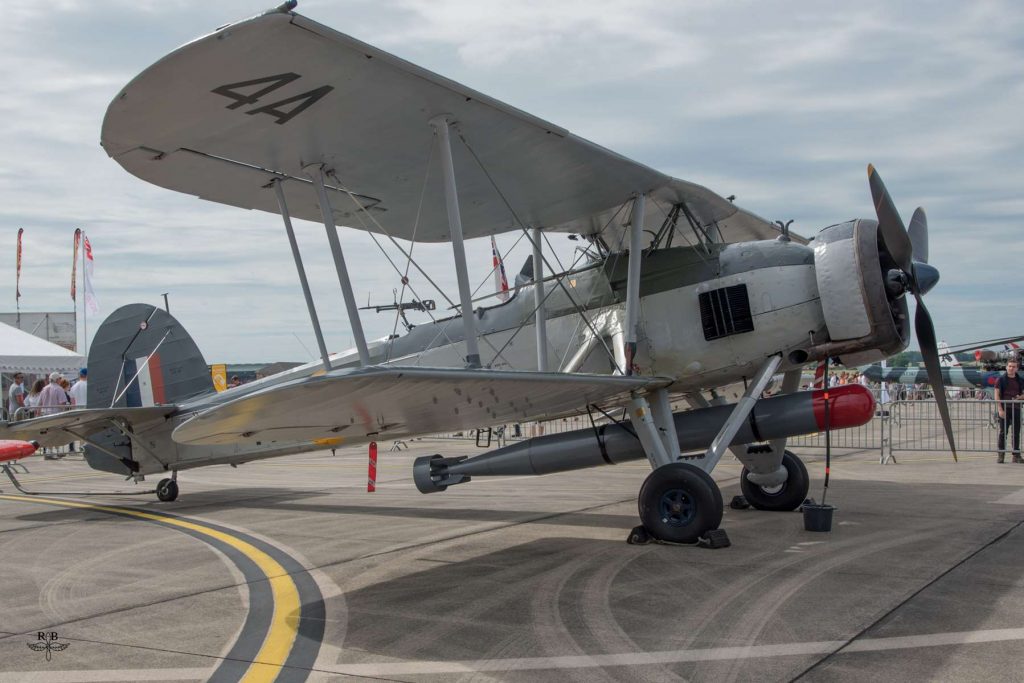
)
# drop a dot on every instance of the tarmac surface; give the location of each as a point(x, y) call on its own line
point(288, 568)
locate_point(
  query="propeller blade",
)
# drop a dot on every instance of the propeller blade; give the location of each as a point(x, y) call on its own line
point(890, 225)
point(929, 351)
point(918, 232)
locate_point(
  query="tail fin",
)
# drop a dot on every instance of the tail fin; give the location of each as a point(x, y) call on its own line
point(142, 356)
point(947, 359)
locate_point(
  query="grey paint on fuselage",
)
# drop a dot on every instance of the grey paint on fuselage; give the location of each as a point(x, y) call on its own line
point(783, 299)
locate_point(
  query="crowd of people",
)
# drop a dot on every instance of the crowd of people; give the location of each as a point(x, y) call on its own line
point(46, 396)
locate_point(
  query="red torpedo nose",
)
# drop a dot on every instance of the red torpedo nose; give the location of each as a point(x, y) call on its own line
point(14, 450)
point(850, 405)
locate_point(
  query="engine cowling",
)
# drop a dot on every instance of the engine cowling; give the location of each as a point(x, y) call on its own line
point(866, 313)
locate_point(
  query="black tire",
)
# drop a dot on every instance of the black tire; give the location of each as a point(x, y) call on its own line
point(167, 490)
point(680, 503)
point(785, 498)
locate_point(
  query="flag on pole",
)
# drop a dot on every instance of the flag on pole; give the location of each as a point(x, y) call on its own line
point(500, 281)
point(17, 277)
point(90, 294)
point(74, 262)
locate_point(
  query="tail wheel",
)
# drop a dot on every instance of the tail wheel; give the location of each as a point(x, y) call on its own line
point(785, 497)
point(680, 503)
point(167, 490)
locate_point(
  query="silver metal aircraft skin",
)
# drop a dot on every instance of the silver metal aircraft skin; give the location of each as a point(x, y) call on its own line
point(684, 292)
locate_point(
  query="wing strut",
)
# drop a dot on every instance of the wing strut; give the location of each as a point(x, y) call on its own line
point(636, 234)
point(302, 273)
point(451, 196)
point(316, 172)
point(538, 298)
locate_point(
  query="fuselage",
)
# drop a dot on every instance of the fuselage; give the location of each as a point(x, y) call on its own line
point(710, 316)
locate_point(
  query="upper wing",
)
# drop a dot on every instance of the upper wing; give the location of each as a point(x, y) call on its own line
point(50, 430)
point(400, 401)
point(223, 116)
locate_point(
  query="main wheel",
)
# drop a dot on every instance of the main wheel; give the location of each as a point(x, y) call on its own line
point(785, 497)
point(167, 490)
point(680, 503)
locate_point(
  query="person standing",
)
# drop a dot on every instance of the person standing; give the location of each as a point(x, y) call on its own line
point(1009, 387)
point(53, 397)
point(16, 397)
point(32, 400)
point(78, 391)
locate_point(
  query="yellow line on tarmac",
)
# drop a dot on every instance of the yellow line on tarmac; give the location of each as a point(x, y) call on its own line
point(281, 634)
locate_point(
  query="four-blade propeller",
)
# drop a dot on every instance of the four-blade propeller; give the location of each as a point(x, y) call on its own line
point(909, 250)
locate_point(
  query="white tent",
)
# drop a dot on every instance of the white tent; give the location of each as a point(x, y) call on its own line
point(23, 352)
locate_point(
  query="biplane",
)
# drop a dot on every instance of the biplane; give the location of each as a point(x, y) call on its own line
point(680, 291)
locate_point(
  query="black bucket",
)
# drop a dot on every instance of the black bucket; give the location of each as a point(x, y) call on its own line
point(818, 517)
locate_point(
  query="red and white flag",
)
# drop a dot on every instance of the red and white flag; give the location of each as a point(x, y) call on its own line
point(17, 277)
point(819, 377)
point(74, 261)
point(90, 295)
point(500, 281)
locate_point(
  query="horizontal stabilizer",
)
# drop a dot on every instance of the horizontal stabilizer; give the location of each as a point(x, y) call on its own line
point(391, 402)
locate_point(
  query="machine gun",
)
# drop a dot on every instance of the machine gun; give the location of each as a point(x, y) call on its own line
point(422, 306)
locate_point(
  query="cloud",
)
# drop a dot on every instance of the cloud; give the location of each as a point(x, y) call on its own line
point(782, 106)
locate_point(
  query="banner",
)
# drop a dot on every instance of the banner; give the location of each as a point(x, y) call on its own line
point(90, 294)
point(500, 281)
point(17, 277)
point(74, 261)
point(219, 374)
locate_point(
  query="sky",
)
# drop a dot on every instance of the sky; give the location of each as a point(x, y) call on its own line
point(782, 104)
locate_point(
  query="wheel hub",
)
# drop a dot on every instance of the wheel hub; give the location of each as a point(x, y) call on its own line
point(677, 508)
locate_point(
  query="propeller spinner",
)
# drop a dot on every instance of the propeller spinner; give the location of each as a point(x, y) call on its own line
point(909, 250)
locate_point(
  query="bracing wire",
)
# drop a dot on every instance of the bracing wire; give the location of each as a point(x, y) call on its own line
point(443, 329)
point(558, 281)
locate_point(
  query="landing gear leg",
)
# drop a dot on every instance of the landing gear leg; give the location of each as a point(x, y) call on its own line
point(678, 503)
point(167, 489)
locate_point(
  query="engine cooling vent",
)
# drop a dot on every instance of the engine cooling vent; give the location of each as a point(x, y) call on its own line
point(725, 312)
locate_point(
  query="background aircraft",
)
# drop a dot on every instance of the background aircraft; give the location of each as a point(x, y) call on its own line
point(682, 291)
point(954, 374)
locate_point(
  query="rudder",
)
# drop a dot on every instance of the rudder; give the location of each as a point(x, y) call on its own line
point(140, 356)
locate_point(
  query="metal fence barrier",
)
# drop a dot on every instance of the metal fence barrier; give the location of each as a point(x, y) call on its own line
point(916, 426)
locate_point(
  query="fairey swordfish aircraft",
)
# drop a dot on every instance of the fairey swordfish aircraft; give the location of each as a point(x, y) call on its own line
point(683, 292)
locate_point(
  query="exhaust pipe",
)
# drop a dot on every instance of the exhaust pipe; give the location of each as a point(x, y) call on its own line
point(779, 417)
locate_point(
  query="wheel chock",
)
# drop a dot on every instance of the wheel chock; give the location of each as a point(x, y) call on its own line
point(638, 536)
point(716, 538)
point(739, 503)
point(713, 539)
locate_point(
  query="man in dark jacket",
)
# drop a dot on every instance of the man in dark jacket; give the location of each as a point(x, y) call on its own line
point(1009, 387)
